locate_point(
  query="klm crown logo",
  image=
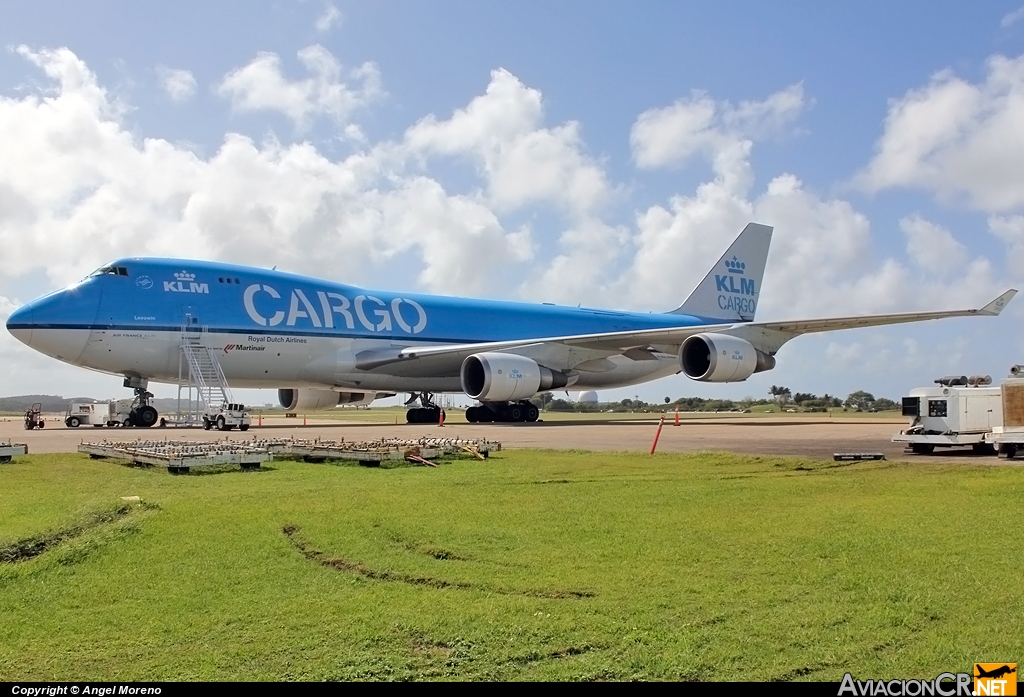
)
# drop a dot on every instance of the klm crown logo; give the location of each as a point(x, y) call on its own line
point(734, 265)
point(185, 282)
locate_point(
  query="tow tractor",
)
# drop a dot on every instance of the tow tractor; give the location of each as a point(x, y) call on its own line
point(34, 417)
point(960, 411)
point(226, 417)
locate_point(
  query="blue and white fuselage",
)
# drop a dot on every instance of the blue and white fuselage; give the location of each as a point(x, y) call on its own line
point(283, 330)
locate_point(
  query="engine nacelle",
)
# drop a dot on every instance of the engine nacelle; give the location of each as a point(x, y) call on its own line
point(303, 400)
point(505, 377)
point(721, 358)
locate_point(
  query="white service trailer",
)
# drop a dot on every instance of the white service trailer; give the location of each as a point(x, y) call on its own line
point(86, 414)
point(951, 415)
point(1007, 437)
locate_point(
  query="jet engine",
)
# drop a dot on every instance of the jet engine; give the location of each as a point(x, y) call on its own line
point(303, 400)
point(505, 377)
point(721, 358)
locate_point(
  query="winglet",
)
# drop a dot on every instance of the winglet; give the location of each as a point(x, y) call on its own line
point(997, 305)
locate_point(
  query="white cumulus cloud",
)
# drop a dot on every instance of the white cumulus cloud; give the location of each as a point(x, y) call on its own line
point(262, 86)
point(671, 135)
point(1010, 229)
point(957, 139)
point(522, 161)
point(1011, 18)
point(822, 259)
point(77, 188)
point(932, 247)
point(179, 84)
point(328, 18)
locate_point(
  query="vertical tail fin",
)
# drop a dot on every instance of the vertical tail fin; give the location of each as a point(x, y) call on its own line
point(730, 291)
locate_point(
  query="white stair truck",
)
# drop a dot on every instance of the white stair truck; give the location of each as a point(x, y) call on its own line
point(959, 411)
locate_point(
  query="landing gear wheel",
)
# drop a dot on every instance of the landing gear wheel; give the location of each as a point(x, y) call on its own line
point(127, 423)
point(471, 415)
point(532, 413)
point(146, 417)
point(429, 415)
point(515, 412)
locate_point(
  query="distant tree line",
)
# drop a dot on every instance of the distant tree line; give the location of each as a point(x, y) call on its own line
point(857, 401)
point(782, 397)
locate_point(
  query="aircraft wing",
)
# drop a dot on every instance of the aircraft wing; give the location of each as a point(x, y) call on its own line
point(766, 336)
point(833, 323)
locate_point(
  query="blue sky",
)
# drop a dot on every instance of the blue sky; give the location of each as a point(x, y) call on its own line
point(878, 138)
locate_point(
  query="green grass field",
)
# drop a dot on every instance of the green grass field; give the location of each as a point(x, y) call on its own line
point(532, 565)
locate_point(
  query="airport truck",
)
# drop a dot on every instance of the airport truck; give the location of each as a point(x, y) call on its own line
point(86, 414)
point(958, 411)
point(226, 417)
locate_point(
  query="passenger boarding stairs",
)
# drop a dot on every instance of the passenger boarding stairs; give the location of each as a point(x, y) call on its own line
point(204, 375)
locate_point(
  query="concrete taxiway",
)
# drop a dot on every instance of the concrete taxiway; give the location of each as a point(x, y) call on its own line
point(746, 436)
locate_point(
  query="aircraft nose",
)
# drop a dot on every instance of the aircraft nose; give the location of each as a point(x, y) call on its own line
point(19, 324)
point(56, 324)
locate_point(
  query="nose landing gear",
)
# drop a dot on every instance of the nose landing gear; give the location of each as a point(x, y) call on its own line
point(141, 415)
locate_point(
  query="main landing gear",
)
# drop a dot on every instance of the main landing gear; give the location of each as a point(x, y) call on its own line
point(429, 413)
point(495, 411)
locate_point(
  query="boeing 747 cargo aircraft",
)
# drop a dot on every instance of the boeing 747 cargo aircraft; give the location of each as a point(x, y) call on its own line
point(321, 343)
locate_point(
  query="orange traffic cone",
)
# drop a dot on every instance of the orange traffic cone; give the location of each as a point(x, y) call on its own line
point(677, 415)
point(440, 420)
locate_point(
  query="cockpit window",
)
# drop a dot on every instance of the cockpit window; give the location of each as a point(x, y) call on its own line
point(109, 271)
